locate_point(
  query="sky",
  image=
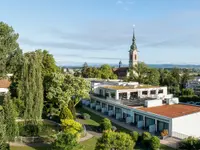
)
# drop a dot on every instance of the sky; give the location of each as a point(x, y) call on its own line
point(100, 31)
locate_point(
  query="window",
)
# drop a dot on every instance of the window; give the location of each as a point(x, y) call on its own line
point(135, 57)
point(160, 91)
point(144, 92)
point(133, 95)
point(122, 95)
point(153, 92)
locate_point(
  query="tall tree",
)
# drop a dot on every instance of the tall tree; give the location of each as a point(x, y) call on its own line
point(176, 74)
point(31, 86)
point(152, 77)
point(185, 78)
point(66, 90)
point(2, 129)
point(9, 118)
point(8, 45)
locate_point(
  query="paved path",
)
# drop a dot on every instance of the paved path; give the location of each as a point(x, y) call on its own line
point(87, 137)
point(171, 142)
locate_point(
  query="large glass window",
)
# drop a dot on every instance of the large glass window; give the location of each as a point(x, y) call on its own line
point(162, 126)
point(149, 121)
point(138, 117)
point(118, 110)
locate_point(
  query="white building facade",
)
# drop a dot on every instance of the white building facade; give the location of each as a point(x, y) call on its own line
point(146, 107)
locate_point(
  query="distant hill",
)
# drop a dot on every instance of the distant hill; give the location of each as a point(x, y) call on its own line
point(151, 65)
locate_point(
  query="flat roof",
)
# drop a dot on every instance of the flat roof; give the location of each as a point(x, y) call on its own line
point(4, 83)
point(121, 87)
point(172, 111)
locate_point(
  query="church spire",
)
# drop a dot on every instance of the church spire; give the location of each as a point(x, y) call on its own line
point(133, 45)
point(133, 53)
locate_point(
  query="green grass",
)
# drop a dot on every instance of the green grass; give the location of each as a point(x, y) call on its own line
point(29, 148)
point(89, 144)
point(96, 119)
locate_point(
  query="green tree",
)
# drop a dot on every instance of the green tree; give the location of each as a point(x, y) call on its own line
point(115, 140)
point(2, 130)
point(139, 73)
point(135, 136)
point(176, 74)
point(105, 124)
point(48, 62)
point(31, 86)
point(55, 94)
point(65, 113)
point(107, 72)
point(146, 137)
point(65, 141)
point(76, 88)
point(8, 46)
point(152, 77)
point(188, 92)
point(190, 143)
point(84, 70)
point(66, 90)
point(9, 118)
point(185, 78)
point(155, 143)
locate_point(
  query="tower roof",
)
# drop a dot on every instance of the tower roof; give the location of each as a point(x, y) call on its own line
point(133, 45)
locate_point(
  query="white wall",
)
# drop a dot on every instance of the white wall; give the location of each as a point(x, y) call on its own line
point(153, 103)
point(188, 125)
point(3, 90)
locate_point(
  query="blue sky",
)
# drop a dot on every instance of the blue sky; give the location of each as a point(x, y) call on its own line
point(100, 31)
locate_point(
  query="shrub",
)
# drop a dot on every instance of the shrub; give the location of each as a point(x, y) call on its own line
point(72, 127)
point(29, 128)
point(105, 124)
point(86, 116)
point(115, 140)
point(190, 143)
point(65, 113)
point(135, 136)
point(4, 146)
point(146, 137)
point(155, 143)
point(65, 141)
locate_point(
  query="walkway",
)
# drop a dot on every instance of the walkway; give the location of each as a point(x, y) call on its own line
point(171, 142)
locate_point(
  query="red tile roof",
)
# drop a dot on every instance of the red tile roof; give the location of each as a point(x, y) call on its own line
point(172, 111)
point(4, 83)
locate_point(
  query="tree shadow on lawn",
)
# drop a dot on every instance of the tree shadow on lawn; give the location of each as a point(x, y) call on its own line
point(93, 128)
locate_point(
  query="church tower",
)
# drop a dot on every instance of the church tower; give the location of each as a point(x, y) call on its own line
point(133, 52)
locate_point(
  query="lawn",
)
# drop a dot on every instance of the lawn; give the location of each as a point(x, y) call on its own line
point(29, 148)
point(95, 120)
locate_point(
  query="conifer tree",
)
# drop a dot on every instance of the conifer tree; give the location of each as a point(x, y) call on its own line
point(31, 86)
